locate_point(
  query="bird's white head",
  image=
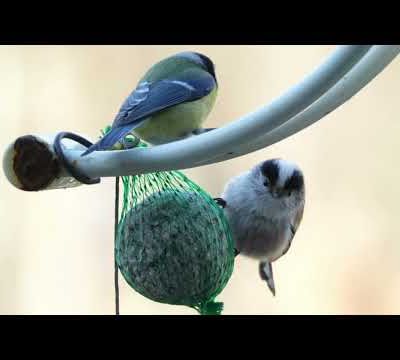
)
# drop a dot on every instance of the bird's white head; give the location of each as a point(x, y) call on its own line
point(280, 183)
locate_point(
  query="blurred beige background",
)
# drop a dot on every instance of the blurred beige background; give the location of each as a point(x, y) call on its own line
point(56, 246)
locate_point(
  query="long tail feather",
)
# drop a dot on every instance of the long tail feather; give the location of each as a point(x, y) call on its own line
point(266, 274)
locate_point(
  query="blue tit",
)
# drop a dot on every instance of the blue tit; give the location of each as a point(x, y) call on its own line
point(170, 102)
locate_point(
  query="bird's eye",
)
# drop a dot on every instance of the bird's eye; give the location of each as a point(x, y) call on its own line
point(289, 193)
point(266, 182)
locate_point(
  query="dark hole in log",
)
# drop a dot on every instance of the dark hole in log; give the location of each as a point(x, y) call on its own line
point(34, 164)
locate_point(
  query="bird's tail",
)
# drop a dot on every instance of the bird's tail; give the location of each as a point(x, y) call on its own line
point(109, 139)
point(265, 269)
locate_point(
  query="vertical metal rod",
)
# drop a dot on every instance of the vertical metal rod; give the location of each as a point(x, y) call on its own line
point(115, 243)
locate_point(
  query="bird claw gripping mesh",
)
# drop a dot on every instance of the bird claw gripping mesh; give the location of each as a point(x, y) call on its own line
point(173, 243)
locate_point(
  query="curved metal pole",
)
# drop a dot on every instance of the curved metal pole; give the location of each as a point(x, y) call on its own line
point(358, 77)
point(345, 72)
point(186, 153)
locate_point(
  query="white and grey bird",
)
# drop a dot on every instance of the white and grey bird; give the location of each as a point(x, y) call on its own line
point(264, 207)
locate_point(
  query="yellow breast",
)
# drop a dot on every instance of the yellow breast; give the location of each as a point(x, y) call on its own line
point(176, 122)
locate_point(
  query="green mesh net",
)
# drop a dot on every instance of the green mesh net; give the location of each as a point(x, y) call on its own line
point(173, 244)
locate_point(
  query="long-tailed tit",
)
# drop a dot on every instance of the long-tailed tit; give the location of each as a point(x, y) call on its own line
point(264, 207)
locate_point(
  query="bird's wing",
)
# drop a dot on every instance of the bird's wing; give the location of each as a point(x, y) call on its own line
point(151, 97)
point(293, 227)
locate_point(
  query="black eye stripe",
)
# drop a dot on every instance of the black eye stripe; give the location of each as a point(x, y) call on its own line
point(271, 171)
point(295, 182)
point(208, 64)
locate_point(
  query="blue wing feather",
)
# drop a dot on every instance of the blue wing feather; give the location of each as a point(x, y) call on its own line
point(162, 95)
point(110, 139)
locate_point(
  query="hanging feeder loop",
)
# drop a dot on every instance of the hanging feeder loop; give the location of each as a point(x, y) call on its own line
point(78, 175)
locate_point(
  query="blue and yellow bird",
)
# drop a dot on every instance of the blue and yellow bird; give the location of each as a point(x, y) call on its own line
point(170, 102)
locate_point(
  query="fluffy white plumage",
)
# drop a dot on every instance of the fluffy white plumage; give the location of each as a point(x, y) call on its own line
point(264, 207)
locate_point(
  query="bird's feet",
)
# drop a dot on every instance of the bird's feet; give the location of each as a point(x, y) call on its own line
point(130, 141)
point(221, 202)
point(202, 131)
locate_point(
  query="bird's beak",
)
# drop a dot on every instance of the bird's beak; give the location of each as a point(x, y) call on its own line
point(276, 193)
